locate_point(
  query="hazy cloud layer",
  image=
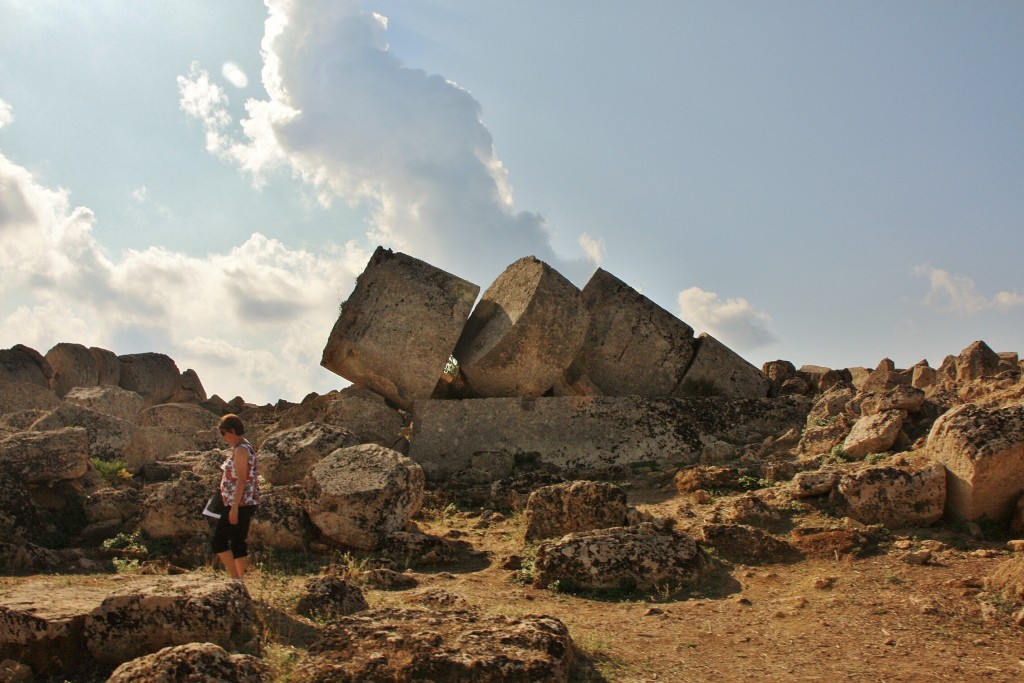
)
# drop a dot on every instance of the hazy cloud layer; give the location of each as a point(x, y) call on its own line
point(349, 118)
point(951, 293)
point(734, 322)
point(251, 322)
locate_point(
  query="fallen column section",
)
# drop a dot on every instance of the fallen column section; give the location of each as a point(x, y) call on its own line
point(580, 433)
point(717, 370)
point(399, 326)
point(524, 333)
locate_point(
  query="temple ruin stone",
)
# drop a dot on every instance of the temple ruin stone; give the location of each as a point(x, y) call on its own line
point(717, 370)
point(397, 329)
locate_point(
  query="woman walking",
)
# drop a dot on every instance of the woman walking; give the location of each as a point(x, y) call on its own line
point(240, 491)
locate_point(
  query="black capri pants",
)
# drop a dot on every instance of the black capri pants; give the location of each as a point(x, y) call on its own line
point(228, 536)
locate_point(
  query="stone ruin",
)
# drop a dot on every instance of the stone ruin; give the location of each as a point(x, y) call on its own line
point(558, 394)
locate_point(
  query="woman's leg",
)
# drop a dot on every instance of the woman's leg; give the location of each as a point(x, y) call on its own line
point(240, 532)
point(221, 543)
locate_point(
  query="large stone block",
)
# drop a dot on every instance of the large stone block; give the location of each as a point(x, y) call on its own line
point(73, 366)
point(983, 451)
point(578, 433)
point(632, 346)
point(717, 370)
point(23, 364)
point(155, 376)
point(399, 326)
point(524, 333)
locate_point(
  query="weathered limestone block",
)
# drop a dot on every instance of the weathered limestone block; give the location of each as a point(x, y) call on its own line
point(164, 611)
point(911, 495)
point(73, 366)
point(816, 483)
point(524, 334)
point(170, 428)
point(355, 409)
point(433, 645)
point(975, 362)
point(108, 367)
point(716, 370)
point(23, 364)
point(45, 457)
point(1007, 579)
point(874, 433)
point(41, 624)
point(109, 504)
point(983, 452)
point(399, 326)
point(777, 372)
point(412, 548)
point(154, 376)
point(18, 515)
point(109, 400)
point(359, 495)
point(900, 398)
point(763, 508)
point(329, 597)
point(190, 388)
point(193, 662)
point(822, 435)
point(20, 396)
point(576, 433)
point(922, 376)
point(286, 456)
point(742, 544)
point(697, 477)
point(574, 506)
point(640, 557)
point(282, 522)
point(632, 346)
point(109, 438)
point(28, 557)
point(174, 509)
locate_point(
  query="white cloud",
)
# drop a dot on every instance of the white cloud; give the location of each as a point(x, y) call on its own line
point(139, 194)
point(234, 75)
point(251, 322)
point(958, 293)
point(734, 322)
point(350, 119)
point(6, 114)
point(592, 247)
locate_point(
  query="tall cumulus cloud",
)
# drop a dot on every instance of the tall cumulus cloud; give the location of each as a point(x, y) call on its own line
point(348, 117)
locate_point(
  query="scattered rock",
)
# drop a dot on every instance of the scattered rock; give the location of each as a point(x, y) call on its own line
point(329, 597)
point(196, 662)
point(574, 506)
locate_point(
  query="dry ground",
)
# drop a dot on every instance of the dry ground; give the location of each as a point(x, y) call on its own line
point(868, 618)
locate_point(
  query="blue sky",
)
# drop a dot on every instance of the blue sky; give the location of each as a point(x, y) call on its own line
point(828, 183)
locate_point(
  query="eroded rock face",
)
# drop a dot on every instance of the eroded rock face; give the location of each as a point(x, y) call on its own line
point(358, 495)
point(281, 521)
point(109, 438)
point(355, 409)
point(108, 367)
point(524, 333)
point(23, 364)
point(25, 396)
point(640, 557)
point(45, 457)
point(743, 544)
point(398, 327)
point(329, 597)
point(73, 366)
point(109, 400)
point(193, 662)
point(174, 509)
point(154, 376)
point(908, 495)
point(983, 450)
point(286, 456)
point(109, 504)
point(874, 433)
point(165, 611)
point(407, 646)
point(574, 506)
point(18, 515)
point(632, 346)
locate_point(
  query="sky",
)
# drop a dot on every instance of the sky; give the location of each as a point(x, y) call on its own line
point(825, 183)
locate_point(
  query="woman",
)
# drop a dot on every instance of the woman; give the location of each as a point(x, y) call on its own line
point(240, 490)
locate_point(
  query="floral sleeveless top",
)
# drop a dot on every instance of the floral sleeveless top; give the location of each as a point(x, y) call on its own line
point(229, 479)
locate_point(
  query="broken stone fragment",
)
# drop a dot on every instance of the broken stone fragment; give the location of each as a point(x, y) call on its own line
point(524, 334)
point(716, 370)
point(632, 346)
point(398, 327)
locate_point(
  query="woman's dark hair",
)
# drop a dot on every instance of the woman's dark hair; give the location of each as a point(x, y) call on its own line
point(232, 422)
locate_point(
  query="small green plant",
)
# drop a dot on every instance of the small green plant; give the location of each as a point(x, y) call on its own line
point(750, 483)
point(128, 542)
point(125, 565)
point(113, 472)
point(826, 421)
point(451, 368)
point(875, 458)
